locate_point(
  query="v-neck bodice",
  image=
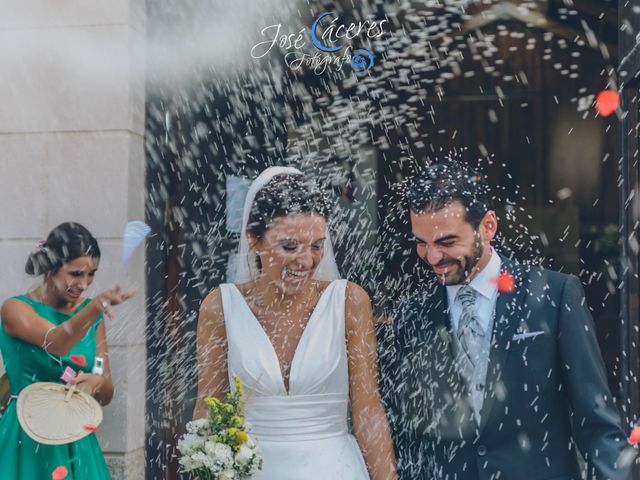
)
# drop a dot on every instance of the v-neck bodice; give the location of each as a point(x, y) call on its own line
point(303, 433)
point(319, 363)
point(308, 327)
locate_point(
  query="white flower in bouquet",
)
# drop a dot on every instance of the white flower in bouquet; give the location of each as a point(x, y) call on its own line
point(212, 464)
point(248, 460)
point(198, 427)
point(189, 443)
point(227, 475)
point(244, 455)
point(189, 464)
point(256, 461)
point(220, 452)
point(197, 460)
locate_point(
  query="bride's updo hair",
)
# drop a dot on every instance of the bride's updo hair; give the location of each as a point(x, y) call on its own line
point(64, 243)
point(285, 195)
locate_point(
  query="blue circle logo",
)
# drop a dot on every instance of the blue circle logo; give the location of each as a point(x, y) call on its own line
point(361, 61)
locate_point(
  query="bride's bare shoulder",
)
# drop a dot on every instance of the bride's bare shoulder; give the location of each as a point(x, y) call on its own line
point(356, 294)
point(211, 306)
point(244, 288)
point(321, 284)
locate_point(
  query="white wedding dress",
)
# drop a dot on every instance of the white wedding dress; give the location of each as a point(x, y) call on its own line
point(303, 433)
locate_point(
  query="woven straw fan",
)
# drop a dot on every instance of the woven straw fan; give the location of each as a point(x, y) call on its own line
point(56, 414)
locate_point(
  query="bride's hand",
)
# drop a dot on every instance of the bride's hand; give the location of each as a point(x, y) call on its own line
point(111, 297)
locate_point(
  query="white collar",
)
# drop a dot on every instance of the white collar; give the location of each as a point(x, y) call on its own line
point(483, 283)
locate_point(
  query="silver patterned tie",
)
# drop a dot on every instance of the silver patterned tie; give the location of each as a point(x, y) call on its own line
point(470, 331)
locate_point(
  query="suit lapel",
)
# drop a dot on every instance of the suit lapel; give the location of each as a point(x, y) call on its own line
point(440, 312)
point(443, 333)
point(506, 320)
point(438, 319)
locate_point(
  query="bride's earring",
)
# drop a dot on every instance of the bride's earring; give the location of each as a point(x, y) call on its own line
point(255, 266)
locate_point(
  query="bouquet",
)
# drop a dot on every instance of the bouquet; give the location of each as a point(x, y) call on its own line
point(218, 447)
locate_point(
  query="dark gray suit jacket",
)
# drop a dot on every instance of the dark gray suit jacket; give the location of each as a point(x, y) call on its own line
point(543, 394)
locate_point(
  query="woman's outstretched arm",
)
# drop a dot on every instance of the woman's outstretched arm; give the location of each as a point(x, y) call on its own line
point(20, 320)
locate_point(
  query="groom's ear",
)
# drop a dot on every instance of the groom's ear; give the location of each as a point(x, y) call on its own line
point(489, 225)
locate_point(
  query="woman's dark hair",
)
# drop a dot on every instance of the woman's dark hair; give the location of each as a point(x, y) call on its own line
point(284, 195)
point(65, 243)
point(441, 183)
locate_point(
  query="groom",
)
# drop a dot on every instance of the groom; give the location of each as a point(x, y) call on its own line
point(499, 374)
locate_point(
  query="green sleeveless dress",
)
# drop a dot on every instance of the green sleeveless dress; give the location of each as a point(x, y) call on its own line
point(20, 457)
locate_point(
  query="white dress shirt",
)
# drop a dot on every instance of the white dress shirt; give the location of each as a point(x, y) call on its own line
point(485, 284)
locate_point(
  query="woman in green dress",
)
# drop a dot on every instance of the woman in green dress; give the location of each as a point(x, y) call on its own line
point(43, 332)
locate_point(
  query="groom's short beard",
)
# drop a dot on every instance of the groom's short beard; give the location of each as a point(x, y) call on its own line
point(470, 262)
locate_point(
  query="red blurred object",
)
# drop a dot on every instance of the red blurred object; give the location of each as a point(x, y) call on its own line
point(79, 360)
point(505, 283)
point(634, 438)
point(91, 428)
point(607, 102)
point(59, 473)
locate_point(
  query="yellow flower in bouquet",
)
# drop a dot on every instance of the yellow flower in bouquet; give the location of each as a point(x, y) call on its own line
point(219, 446)
point(237, 421)
point(227, 417)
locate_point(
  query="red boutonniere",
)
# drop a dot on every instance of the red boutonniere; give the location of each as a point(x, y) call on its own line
point(505, 283)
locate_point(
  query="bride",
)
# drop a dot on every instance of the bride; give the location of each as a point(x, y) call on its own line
point(301, 340)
